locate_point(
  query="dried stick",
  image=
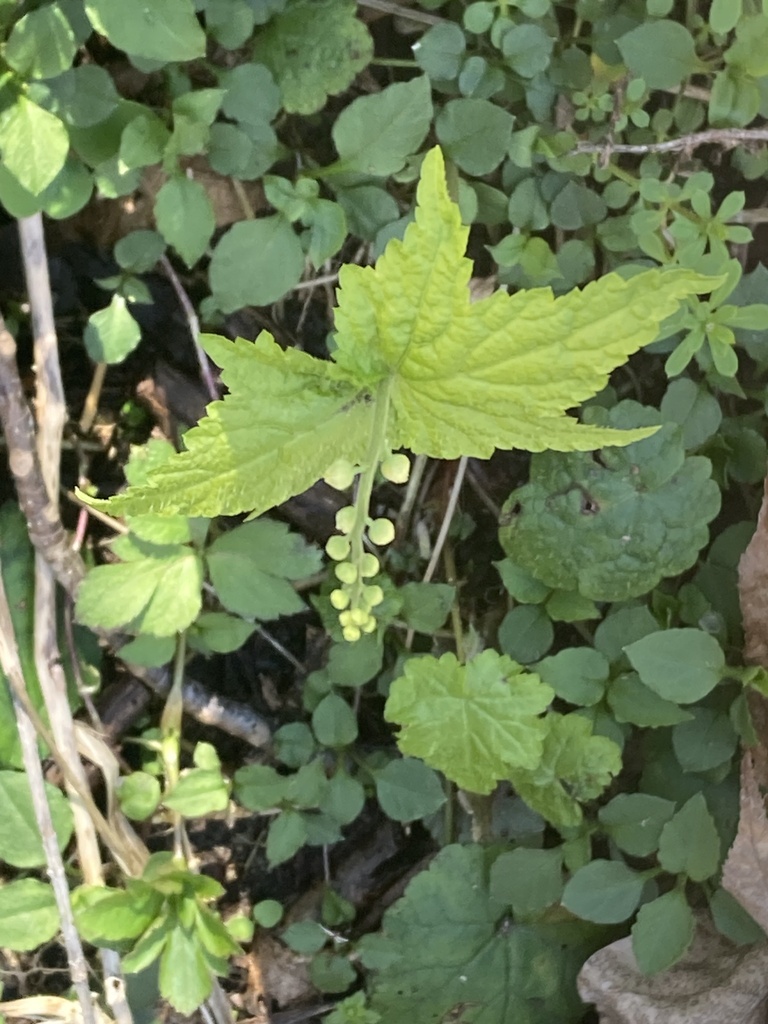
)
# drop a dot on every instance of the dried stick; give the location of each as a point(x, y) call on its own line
point(51, 416)
point(727, 137)
point(45, 529)
point(9, 660)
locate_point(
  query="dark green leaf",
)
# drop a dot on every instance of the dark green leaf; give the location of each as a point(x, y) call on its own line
point(605, 891)
point(663, 932)
point(681, 665)
point(408, 790)
point(690, 843)
point(375, 134)
point(255, 263)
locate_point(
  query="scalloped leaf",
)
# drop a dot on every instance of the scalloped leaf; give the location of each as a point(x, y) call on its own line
point(612, 527)
point(314, 48)
point(473, 722)
point(448, 950)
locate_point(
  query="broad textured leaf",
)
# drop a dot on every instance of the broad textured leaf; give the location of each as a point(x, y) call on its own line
point(575, 766)
point(284, 423)
point(158, 32)
point(499, 373)
point(33, 144)
point(20, 843)
point(314, 48)
point(612, 527)
point(156, 589)
point(454, 378)
point(251, 566)
point(447, 951)
point(474, 722)
point(28, 914)
point(109, 916)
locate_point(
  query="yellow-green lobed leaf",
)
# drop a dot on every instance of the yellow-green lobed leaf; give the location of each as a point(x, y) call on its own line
point(458, 378)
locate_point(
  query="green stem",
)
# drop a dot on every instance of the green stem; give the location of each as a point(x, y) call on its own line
point(394, 62)
point(365, 484)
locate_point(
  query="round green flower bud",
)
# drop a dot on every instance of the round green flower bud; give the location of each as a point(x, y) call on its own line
point(340, 474)
point(337, 548)
point(345, 519)
point(351, 633)
point(346, 572)
point(369, 565)
point(381, 531)
point(373, 595)
point(345, 618)
point(359, 616)
point(396, 468)
point(369, 625)
point(340, 600)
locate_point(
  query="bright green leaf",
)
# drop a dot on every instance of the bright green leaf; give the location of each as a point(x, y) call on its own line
point(198, 792)
point(41, 44)
point(250, 568)
point(112, 333)
point(473, 722)
point(156, 589)
point(20, 843)
point(28, 914)
point(33, 144)
point(163, 34)
point(575, 766)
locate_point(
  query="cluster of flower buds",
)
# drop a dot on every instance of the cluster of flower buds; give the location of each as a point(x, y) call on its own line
point(355, 598)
